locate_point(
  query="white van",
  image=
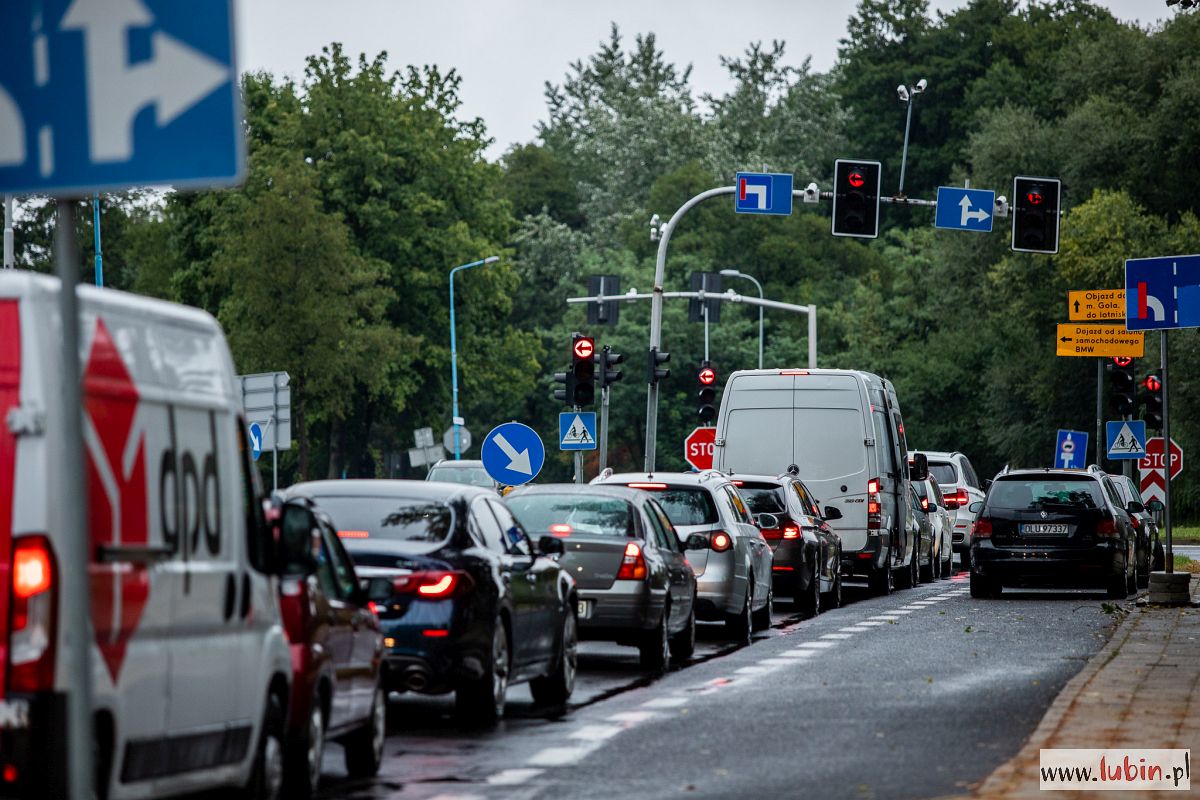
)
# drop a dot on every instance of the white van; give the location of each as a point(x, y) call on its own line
point(190, 668)
point(842, 433)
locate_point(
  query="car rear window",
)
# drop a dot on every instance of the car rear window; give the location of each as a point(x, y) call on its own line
point(686, 505)
point(764, 498)
point(396, 519)
point(1052, 491)
point(471, 476)
point(543, 513)
point(943, 473)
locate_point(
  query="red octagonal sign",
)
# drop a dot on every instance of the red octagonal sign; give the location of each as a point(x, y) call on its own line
point(1153, 468)
point(698, 448)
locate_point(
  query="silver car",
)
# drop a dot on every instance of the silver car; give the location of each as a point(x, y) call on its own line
point(733, 574)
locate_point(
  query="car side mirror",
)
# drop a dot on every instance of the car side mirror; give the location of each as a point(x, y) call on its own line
point(832, 512)
point(696, 541)
point(551, 546)
point(975, 507)
point(294, 539)
point(1135, 507)
point(919, 469)
point(1156, 505)
point(767, 521)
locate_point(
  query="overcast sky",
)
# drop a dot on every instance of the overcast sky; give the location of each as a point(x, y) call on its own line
point(505, 50)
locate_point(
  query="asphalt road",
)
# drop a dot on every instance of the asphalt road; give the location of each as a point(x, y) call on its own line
point(919, 694)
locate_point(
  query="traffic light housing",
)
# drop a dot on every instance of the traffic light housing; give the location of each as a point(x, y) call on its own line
point(1122, 398)
point(583, 369)
point(655, 372)
point(566, 393)
point(706, 377)
point(1035, 214)
point(856, 198)
point(1154, 400)
point(606, 360)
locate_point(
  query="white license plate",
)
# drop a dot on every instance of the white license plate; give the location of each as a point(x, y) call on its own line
point(585, 609)
point(1044, 529)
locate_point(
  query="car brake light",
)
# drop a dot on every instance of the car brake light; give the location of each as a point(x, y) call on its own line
point(1107, 527)
point(956, 499)
point(432, 584)
point(720, 541)
point(924, 503)
point(633, 564)
point(34, 596)
point(982, 529)
point(791, 532)
point(793, 372)
point(874, 514)
point(647, 485)
point(738, 483)
point(1137, 523)
point(561, 529)
point(353, 534)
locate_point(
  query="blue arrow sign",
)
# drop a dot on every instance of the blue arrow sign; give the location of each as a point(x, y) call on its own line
point(512, 454)
point(1070, 450)
point(763, 193)
point(1162, 293)
point(577, 430)
point(256, 440)
point(961, 209)
point(106, 94)
point(1125, 438)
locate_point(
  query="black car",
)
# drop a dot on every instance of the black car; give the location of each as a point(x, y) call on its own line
point(1053, 528)
point(634, 583)
point(466, 601)
point(806, 551)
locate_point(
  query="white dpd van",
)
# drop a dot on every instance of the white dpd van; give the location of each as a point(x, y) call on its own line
point(190, 669)
point(841, 431)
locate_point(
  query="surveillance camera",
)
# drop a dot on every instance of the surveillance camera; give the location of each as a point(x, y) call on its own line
point(812, 194)
point(921, 84)
point(902, 93)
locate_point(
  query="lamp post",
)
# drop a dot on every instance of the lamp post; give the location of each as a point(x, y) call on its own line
point(733, 273)
point(907, 95)
point(456, 420)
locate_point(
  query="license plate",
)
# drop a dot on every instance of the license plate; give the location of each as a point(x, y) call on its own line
point(1044, 529)
point(585, 609)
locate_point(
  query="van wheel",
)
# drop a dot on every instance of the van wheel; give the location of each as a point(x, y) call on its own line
point(302, 763)
point(555, 688)
point(363, 749)
point(266, 776)
point(907, 578)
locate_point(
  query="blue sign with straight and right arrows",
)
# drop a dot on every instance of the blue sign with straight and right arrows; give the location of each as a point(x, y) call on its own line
point(960, 209)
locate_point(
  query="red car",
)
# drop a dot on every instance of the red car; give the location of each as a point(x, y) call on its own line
point(337, 652)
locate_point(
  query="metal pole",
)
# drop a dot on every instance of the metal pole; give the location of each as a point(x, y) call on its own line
point(1099, 412)
point(1169, 561)
point(455, 419)
point(733, 273)
point(603, 425)
point(9, 255)
point(812, 336)
point(904, 153)
point(704, 311)
point(578, 456)
point(96, 229)
point(72, 504)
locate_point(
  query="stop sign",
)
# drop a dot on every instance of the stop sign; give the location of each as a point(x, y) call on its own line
point(1154, 458)
point(698, 448)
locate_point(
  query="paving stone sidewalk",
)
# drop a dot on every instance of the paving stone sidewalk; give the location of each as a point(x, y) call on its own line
point(1141, 691)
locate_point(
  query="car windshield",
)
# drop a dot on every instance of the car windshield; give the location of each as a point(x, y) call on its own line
point(564, 514)
point(764, 498)
point(942, 473)
point(1058, 491)
point(686, 505)
point(471, 476)
point(397, 519)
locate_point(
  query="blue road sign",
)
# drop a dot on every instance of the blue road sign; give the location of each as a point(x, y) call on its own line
point(512, 453)
point(577, 430)
point(1071, 449)
point(107, 94)
point(1162, 293)
point(763, 193)
point(1125, 438)
point(256, 440)
point(962, 209)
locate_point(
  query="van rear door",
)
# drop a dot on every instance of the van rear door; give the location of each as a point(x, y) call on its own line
point(755, 429)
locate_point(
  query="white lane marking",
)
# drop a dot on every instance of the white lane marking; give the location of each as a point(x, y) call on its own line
point(837, 635)
point(665, 702)
point(596, 732)
point(513, 777)
point(562, 756)
point(884, 616)
point(910, 608)
point(925, 603)
point(776, 662)
point(852, 629)
point(794, 654)
point(456, 797)
point(904, 611)
point(815, 645)
point(630, 717)
point(751, 670)
point(872, 622)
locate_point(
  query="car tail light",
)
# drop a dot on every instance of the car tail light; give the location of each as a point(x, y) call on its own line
point(791, 531)
point(561, 529)
point(738, 483)
point(781, 568)
point(34, 596)
point(433, 584)
point(982, 529)
point(874, 513)
point(633, 564)
point(924, 503)
point(647, 485)
point(1107, 528)
point(1137, 523)
point(720, 541)
point(957, 499)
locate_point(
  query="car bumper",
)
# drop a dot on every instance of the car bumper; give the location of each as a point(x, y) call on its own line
point(720, 591)
point(31, 743)
point(429, 650)
point(872, 556)
point(788, 564)
point(628, 607)
point(1085, 567)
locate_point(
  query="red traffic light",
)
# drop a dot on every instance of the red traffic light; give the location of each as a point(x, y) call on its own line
point(1122, 361)
point(584, 347)
point(707, 376)
point(1152, 383)
point(1034, 198)
point(856, 179)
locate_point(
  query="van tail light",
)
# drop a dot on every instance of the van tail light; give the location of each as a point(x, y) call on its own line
point(34, 591)
point(791, 531)
point(433, 584)
point(874, 505)
point(982, 529)
point(720, 541)
point(633, 564)
point(1107, 528)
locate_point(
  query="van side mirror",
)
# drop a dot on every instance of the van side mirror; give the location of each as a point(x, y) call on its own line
point(975, 507)
point(295, 526)
point(767, 521)
point(919, 469)
point(832, 512)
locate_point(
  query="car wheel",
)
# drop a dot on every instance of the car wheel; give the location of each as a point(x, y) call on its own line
point(683, 644)
point(761, 619)
point(654, 653)
point(810, 600)
point(928, 573)
point(881, 581)
point(834, 597)
point(482, 700)
point(266, 776)
point(302, 765)
point(1118, 586)
point(982, 587)
point(555, 688)
point(740, 625)
point(363, 749)
point(907, 578)
point(1160, 556)
point(948, 566)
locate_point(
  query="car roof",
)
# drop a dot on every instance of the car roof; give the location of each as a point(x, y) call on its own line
point(939, 454)
point(622, 492)
point(678, 478)
point(363, 487)
point(474, 463)
point(1045, 471)
point(742, 477)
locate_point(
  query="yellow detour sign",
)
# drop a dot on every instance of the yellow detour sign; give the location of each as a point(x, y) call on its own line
point(1093, 304)
point(1098, 340)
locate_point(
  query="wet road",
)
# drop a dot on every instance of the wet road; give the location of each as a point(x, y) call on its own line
point(919, 694)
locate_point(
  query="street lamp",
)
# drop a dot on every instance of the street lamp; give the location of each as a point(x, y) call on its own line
point(733, 273)
point(907, 95)
point(455, 419)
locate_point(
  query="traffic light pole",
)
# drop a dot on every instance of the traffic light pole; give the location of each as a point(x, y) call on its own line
point(1169, 560)
point(1099, 411)
point(603, 443)
point(578, 456)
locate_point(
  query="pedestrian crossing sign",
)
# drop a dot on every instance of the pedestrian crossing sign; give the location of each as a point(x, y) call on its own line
point(577, 430)
point(1126, 438)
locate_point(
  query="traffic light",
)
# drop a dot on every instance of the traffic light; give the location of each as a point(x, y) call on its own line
point(1121, 389)
point(1035, 214)
point(566, 394)
point(856, 198)
point(1153, 384)
point(709, 283)
point(706, 376)
point(583, 369)
point(655, 372)
point(606, 359)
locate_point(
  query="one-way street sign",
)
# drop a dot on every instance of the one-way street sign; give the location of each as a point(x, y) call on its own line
point(962, 209)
